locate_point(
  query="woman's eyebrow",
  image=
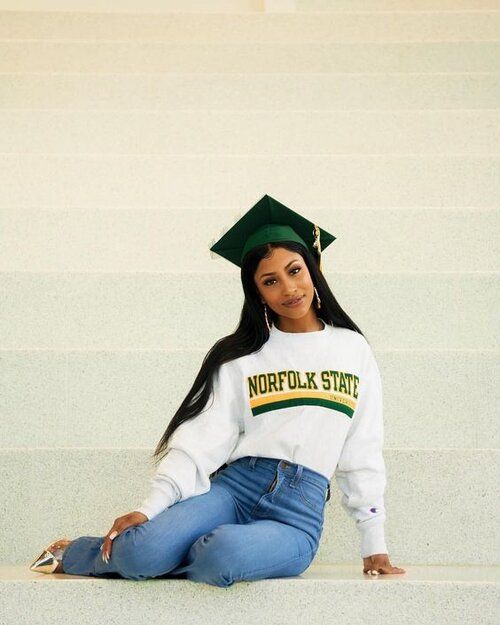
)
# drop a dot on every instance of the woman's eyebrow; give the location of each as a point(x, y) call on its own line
point(273, 272)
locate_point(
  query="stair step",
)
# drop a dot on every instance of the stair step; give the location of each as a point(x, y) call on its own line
point(322, 594)
point(314, 181)
point(247, 58)
point(439, 502)
point(152, 311)
point(89, 391)
point(259, 28)
point(264, 92)
point(251, 132)
point(149, 240)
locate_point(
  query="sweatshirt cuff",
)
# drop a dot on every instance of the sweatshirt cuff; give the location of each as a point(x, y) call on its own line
point(161, 497)
point(372, 540)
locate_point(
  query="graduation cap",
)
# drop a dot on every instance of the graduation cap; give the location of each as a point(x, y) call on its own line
point(269, 221)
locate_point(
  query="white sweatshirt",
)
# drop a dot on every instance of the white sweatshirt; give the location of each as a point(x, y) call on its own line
point(313, 398)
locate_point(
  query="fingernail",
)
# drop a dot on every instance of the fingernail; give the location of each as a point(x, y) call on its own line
point(113, 535)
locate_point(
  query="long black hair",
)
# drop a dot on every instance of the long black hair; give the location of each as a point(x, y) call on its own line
point(252, 331)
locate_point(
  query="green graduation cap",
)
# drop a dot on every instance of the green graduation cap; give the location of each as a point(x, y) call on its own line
point(270, 221)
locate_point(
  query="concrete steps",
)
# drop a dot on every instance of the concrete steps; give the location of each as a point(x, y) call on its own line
point(233, 58)
point(322, 594)
point(46, 398)
point(425, 240)
point(132, 135)
point(250, 132)
point(464, 92)
point(55, 181)
point(439, 506)
point(259, 28)
point(130, 310)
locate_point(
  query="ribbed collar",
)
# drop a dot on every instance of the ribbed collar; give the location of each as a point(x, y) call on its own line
point(300, 337)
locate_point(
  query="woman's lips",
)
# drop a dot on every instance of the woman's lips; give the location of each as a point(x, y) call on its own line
point(296, 303)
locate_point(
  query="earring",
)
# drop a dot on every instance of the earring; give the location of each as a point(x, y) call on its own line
point(267, 320)
point(317, 298)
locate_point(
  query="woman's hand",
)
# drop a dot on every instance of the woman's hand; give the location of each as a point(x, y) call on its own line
point(120, 524)
point(379, 563)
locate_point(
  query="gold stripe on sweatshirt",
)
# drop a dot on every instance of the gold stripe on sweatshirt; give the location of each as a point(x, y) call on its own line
point(334, 401)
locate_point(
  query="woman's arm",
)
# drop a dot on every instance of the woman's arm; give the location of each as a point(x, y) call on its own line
point(361, 473)
point(198, 447)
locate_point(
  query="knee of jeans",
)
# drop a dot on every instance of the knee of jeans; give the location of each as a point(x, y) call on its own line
point(213, 545)
point(210, 559)
point(131, 554)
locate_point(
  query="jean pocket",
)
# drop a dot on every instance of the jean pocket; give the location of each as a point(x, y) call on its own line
point(312, 495)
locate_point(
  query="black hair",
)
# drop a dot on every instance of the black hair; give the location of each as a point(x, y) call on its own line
point(252, 331)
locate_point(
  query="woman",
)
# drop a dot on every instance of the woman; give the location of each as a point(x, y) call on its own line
point(240, 493)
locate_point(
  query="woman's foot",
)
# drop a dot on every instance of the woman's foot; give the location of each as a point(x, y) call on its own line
point(57, 549)
point(50, 560)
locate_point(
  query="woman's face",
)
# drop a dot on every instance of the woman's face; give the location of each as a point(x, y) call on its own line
point(282, 277)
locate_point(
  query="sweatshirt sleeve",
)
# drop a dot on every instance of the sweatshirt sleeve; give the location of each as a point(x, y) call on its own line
point(361, 471)
point(198, 447)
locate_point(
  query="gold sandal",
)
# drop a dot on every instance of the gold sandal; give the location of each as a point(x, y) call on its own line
point(50, 558)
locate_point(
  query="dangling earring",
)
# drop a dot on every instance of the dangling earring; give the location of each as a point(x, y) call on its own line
point(317, 298)
point(267, 320)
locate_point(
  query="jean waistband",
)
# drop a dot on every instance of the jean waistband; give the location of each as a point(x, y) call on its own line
point(294, 470)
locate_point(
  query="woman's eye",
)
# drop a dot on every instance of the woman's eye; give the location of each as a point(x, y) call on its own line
point(266, 282)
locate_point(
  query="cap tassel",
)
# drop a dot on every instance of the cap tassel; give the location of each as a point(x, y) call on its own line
point(317, 244)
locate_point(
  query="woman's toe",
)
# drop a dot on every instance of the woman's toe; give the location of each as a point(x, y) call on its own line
point(60, 544)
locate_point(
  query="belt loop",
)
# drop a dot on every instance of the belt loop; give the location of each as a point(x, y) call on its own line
point(252, 462)
point(297, 476)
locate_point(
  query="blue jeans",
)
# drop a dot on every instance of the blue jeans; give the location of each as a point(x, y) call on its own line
point(261, 518)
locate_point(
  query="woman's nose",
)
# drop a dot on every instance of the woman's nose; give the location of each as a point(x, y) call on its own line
point(291, 292)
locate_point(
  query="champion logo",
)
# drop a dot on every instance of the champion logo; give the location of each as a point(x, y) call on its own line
point(373, 510)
